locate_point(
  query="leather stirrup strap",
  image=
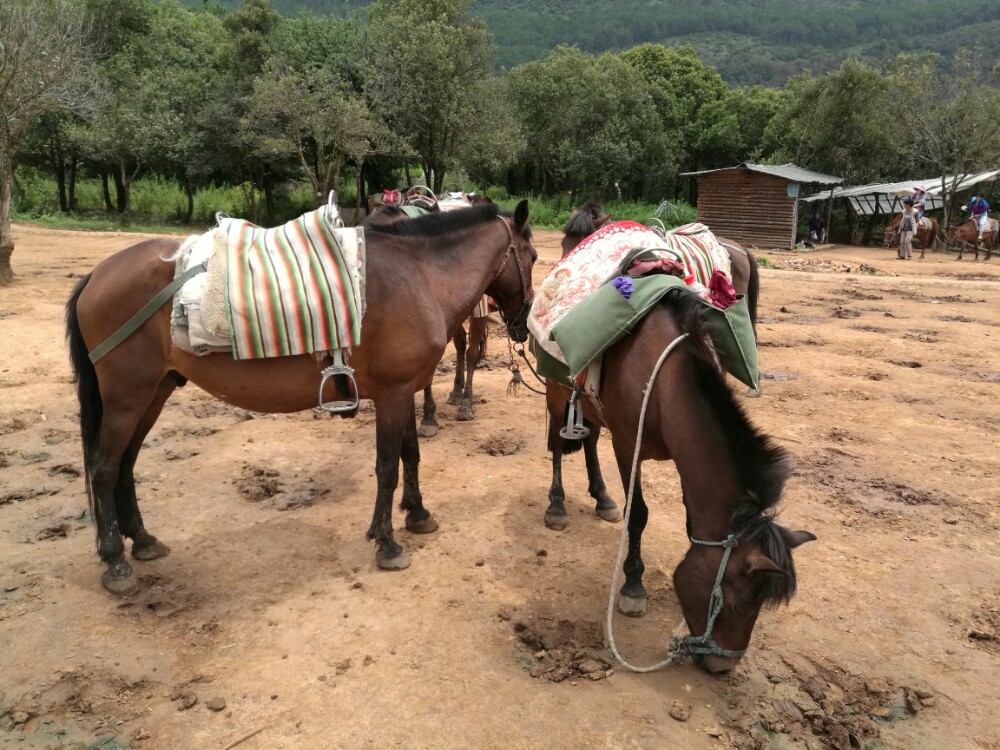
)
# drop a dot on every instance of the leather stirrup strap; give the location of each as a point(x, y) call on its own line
point(147, 312)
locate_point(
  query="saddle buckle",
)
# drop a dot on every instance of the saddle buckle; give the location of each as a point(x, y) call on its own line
point(575, 429)
point(339, 406)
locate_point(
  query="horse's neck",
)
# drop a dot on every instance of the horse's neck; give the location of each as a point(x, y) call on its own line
point(460, 271)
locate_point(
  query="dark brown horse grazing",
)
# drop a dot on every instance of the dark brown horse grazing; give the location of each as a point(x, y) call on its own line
point(422, 279)
point(732, 477)
point(967, 233)
point(469, 350)
point(746, 280)
point(927, 235)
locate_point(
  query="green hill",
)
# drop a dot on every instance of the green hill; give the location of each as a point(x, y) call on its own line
point(749, 41)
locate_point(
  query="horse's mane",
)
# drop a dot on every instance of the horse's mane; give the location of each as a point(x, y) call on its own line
point(436, 224)
point(762, 465)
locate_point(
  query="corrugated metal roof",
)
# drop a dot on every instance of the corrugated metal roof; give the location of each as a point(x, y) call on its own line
point(789, 172)
point(905, 188)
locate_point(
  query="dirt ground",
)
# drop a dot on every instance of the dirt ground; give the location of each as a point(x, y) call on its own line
point(882, 377)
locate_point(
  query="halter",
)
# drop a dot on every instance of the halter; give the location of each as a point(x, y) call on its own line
point(704, 644)
point(512, 250)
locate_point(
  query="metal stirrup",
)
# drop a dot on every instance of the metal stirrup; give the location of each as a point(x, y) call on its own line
point(338, 368)
point(575, 429)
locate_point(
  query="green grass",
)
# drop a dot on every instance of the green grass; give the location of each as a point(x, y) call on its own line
point(764, 262)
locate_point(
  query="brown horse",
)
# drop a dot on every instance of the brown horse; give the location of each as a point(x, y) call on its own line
point(746, 280)
point(732, 477)
point(469, 349)
point(967, 233)
point(422, 278)
point(927, 234)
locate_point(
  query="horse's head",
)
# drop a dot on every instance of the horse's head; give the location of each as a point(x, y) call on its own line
point(757, 571)
point(583, 222)
point(511, 288)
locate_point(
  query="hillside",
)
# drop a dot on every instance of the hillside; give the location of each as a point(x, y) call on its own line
point(749, 41)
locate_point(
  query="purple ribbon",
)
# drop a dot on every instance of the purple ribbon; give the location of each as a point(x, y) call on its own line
point(624, 285)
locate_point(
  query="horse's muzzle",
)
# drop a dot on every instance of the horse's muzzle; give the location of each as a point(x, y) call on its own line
point(518, 331)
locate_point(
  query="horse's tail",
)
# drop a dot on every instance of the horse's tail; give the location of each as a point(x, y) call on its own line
point(753, 291)
point(87, 388)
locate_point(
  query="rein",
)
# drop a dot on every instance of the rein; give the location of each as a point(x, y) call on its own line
point(690, 644)
point(512, 250)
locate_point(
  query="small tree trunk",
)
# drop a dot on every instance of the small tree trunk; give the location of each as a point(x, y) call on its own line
point(120, 196)
point(269, 201)
point(6, 239)
point(72, 183)
point(106, 191)
point(189, 212)
point(61, 186)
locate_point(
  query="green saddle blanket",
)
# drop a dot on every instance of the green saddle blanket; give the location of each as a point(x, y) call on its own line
point(604, 317)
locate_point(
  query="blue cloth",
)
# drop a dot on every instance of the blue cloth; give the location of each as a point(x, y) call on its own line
point(624, 285)
point(978, 206)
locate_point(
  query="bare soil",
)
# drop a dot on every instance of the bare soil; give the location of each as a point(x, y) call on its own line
point(881, 376)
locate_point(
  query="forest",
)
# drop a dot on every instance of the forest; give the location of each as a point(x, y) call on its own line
point(764, 42)
point(143, 111)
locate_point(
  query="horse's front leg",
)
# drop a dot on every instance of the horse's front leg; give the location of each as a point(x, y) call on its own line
point(606, 508)
point(632, 597)
point(418, 519)
point(428, 423)
point(393, 410)
point(473, 355)
point(555, 515)
point(459, 339)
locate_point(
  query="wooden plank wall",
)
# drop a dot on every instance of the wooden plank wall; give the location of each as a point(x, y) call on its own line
point(748, 207)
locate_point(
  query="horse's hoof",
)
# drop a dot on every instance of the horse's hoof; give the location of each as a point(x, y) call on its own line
point(465, 412)
point(630, 606)
point(454, 398)
point(610, 514)
point(153, 549)
point(557, 522)
point(119, 579)
point(400, 561)
point(423, 526)
point(427, 429)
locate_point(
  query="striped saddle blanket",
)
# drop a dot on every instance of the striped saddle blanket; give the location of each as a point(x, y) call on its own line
point(294, 289)
point(597, 259)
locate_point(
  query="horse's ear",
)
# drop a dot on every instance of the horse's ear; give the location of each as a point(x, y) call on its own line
point(574, 212)
point(601, 220)
point(521, 215)
point(796, 538)
point(758, 562)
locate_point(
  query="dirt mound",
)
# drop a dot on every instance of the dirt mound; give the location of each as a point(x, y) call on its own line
point(556, 649)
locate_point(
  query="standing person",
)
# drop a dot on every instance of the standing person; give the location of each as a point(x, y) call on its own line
point(980, 210)
point(817, 227)
point(907, 226)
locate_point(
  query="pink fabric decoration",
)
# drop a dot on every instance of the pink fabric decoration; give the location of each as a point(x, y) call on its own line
point(723, 293)
point(642, 267)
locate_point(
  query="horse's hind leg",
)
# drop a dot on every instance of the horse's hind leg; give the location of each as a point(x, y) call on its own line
point(473, 356)
point(418, 518)
point(123, 411)
point(455, 397)
point(555, 515)
point(606, 507)
point(145, 546)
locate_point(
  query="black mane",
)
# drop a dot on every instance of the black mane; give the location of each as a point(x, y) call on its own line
point(762, 464)
point(436, 224)
point(582, 223)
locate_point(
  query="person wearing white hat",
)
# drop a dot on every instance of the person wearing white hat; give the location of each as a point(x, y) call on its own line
point(918, 198)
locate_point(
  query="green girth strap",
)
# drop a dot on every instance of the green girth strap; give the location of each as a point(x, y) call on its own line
point(147, 312)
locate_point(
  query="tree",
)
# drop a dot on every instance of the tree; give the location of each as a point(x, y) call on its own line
point(44, 53)
point(953, 119)
point(313, 117)
point(589, 123)
point(423, 58)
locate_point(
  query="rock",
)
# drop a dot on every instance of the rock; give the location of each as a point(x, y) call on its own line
point(480, 563)
point(679, 711)
point(882, 712)
point(912, 702)
point(20, 717)
point(589, 666)
point(187, 701)
point(216, 704)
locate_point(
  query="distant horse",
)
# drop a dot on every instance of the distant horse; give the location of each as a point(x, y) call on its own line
point(469, 350)
point(926, 232)
point(967, 233)
point(418, 196)
point(422, 278)
point(746, 280)
point(732, 477)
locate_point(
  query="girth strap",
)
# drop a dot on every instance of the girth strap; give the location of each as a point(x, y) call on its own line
point(147, 312)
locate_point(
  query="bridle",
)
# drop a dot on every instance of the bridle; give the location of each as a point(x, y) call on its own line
point(525, 302)
point(704, 644)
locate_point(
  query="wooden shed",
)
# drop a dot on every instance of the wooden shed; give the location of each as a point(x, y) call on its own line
point(755, 204)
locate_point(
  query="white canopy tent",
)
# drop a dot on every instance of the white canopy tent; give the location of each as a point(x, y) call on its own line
point(887, 197)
